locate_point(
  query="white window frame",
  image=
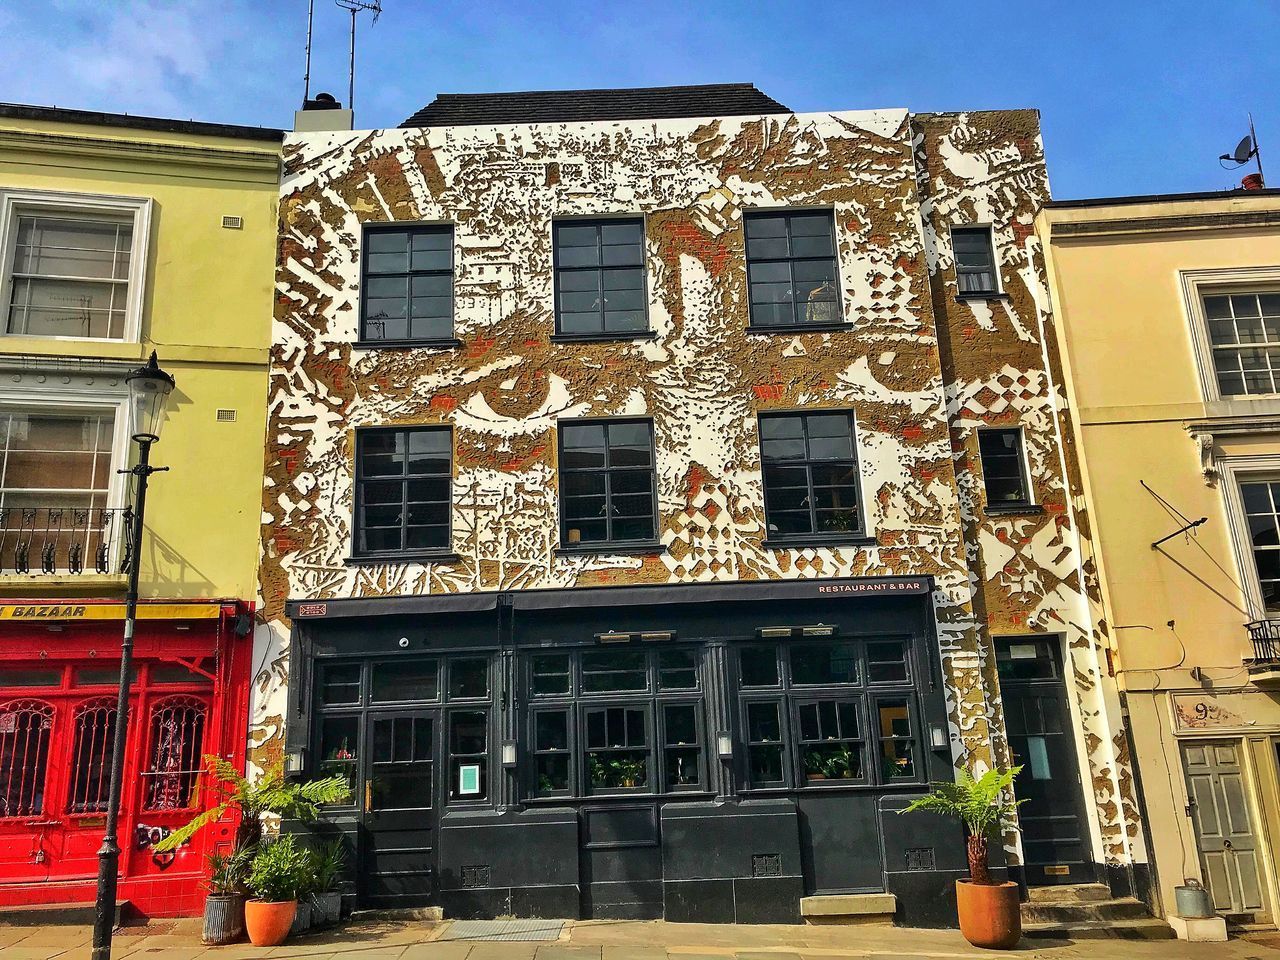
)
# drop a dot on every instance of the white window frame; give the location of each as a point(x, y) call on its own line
point(1235, 471)
point(998, 291)
point(15, 203)
point(1196, 284)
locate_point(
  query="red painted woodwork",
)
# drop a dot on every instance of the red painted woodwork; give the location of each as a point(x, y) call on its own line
point(58, 682)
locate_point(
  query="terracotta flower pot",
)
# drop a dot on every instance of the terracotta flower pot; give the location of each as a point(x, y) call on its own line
point(990, 915)
point(268, 923)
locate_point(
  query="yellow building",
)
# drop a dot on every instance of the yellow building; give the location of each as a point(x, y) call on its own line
point(1168, 321)
point(120, 236)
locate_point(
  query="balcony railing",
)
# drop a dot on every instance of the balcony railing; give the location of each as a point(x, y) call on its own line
point(1265, 635)
point(63, 540)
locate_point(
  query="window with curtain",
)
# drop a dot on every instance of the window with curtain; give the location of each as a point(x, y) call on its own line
point(975, 259)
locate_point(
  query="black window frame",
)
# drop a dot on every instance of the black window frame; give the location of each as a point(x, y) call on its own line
point(600, 269)
point(858, 534)
point(364, 340)
point(840, 322)
point(608, 471)
point(991, 268)
point(1027, 500)
point(358, 528)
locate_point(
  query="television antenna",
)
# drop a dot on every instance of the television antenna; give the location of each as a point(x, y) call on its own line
point(1246, 150)
point(355, 7)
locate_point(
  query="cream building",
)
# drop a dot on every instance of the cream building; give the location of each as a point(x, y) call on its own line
point(1168, 313)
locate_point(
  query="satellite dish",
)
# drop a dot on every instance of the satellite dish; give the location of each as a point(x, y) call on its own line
point(1244, 150)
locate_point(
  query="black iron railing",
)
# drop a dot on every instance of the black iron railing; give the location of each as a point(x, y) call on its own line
point(63, 540)
point(1265, 635)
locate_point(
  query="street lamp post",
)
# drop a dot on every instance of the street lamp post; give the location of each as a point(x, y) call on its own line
point(149, 386)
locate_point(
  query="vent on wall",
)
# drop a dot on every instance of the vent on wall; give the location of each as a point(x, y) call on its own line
point(232, 223)
point(226, 415)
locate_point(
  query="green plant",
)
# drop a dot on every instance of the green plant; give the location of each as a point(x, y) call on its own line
point(280, 870)
point(327, 862)
point(268, 794)
point(981, 805)
point(227, 872)
point(617, 771)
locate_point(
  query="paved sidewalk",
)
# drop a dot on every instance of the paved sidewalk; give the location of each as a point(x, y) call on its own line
point(606, 940)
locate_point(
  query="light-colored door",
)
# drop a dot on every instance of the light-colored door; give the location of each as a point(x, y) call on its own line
point(1224, 828)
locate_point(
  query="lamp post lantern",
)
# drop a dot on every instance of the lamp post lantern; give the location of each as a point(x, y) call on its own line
point(149, 387)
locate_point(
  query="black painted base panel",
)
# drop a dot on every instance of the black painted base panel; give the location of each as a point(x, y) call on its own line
point(740, 900)
point(551, 903)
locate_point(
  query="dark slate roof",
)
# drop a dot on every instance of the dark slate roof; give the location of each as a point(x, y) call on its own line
point(94, 118)
point(557, 106)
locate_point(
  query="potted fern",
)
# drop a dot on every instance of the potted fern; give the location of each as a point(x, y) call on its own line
point(990, 915)
point(269, 794)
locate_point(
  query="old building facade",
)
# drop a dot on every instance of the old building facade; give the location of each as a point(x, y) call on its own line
point(1180, 465)
point(662, 488)
point(120, 236)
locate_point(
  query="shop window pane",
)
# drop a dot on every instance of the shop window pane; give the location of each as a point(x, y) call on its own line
point(95, 725)
point(177, 742)
point(677, 670)
point(339, 683)
point(91, 676)
point(682, 751)
point(551, 731)
point(469, 733)
point(763, 725)
point(759, 666)
point(401, 790)
point(10, 677)
point(25, 729)
point(886, 662)
point(339, 747)
point(833, 761)
point(469, 749)
point(897, 746)
point(469, 678)
point(553, 772)
point(617, 755)
point(402, 680)
point(614, 670)
point(176, 673)
point(823, 663)
point(551, 673)
point(765, 765)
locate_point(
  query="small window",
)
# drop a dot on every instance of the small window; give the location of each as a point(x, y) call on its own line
point(617, 748)
point(167, 673)
point(340, 747)
point(758, 666)
point(810, 475)
point(48, 677)
point(764, 744)
point(612, 670)
point(887, 661)
point(677, 670)
point(897, 742)
point(1262, 509)
point(1244, 331)
point(395, 681)
point(1025, 658)
point(69, 275)
point(599, 268)
point(403, 480)
point(607, 482)
point(1004, 471)
point(791, 269)
point(89, 676)
point(830, 741)
point(551, 751)
point(468, 679)
point(550, 674)
point(339, 684)
point(408, 284)
point(975, 259)
point(468, 755)
point(682, 747)
point(823, 663)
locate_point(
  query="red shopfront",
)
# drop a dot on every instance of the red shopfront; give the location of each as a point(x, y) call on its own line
point(59, 677)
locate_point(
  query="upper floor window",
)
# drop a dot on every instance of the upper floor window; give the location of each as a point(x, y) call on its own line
point(1004, 470)
point(1244, 333)
point(791, 269)
point(408, 284)
point(72, 265)
point(607, 488)
point(1262, 509)
point(975, 259)
point(810, 471)
point(403, 479)
point(599, 266)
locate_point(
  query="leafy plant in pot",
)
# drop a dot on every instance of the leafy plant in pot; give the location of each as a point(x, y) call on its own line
point(279, 872)
point(989, 911)
point(224, 907)
point(327, 862)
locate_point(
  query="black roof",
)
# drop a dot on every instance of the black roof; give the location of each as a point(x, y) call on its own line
point(93, 118)
point(630, 103)
point(1234, 193)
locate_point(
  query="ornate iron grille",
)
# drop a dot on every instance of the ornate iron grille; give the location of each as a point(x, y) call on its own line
point(25, 727)
point(62, 540)
point(94, 730)
point(177, 736)
point(1265, 635)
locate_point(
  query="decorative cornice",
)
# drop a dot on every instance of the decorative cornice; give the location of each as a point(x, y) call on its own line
point(133, 151)
point(1206, 431)
point(1231, 220)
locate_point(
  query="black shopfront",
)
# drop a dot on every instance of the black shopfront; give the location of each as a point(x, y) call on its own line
point(697, 753)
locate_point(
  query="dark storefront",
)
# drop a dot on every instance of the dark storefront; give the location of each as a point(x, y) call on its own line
point(699, 753)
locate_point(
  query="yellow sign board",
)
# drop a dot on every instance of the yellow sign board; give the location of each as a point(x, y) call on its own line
point(108, 611)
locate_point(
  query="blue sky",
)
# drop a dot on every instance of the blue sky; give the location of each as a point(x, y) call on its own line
point(1135, 98)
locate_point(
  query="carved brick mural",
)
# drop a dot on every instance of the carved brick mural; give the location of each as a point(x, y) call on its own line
point(921, 371)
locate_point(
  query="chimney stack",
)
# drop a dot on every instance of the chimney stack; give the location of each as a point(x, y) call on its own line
point(323, 112)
